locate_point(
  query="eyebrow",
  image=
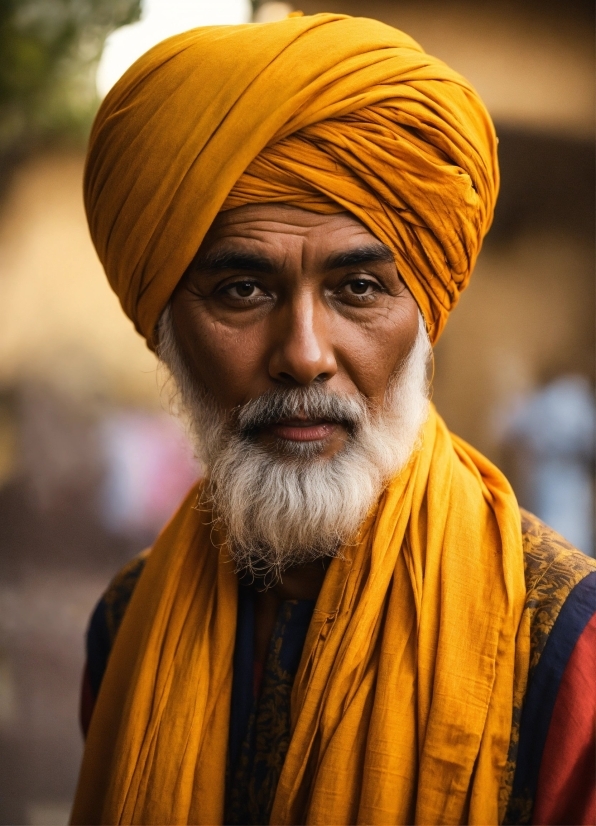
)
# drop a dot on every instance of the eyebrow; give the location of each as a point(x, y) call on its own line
point(367, 254)
point(222, 260)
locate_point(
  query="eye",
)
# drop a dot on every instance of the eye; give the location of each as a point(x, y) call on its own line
point(360, 288)
point(243, 290)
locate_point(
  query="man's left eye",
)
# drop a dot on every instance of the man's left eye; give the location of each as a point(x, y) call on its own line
point(361, 287)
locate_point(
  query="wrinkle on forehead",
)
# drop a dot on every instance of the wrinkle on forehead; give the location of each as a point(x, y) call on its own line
point(269, 225)
point(280, 218)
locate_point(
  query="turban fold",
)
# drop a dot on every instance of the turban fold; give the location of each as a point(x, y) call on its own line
point(328, 113)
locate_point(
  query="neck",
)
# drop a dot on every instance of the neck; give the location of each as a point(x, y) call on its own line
point(299, 582)
point(302, 581)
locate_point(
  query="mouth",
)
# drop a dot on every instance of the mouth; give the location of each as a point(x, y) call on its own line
point(303, 425)
point(299, 429)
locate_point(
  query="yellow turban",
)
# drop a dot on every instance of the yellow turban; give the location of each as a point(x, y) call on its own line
point(325, 112)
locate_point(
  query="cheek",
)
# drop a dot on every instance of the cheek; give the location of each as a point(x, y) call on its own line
point(227, 361)
point(370, 353)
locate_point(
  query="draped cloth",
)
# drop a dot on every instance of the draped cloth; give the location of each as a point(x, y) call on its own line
point(326, 112)
point(401, 707)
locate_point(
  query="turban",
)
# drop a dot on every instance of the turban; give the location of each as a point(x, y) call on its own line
point(326, 112)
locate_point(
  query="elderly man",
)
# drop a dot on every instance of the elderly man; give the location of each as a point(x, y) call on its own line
point(349, 620)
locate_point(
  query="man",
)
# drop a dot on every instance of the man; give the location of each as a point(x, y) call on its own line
point(346, 622)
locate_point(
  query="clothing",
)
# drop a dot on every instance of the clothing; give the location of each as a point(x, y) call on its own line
point(327, 112)
point(402, 704)
point(551, 772)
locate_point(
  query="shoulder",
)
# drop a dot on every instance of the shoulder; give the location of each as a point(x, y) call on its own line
point(107, 618)
point(560, 608)
point(546, 551)
point(120, 590)
point(553, 569)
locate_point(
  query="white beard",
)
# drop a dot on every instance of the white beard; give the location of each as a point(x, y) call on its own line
point(288, 505)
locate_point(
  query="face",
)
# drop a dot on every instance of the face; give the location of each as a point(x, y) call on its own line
point(282, 298)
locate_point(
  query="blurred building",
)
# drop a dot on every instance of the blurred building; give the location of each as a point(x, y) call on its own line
point(77, 383)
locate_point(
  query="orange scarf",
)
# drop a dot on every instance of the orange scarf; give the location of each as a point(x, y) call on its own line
point(401, 708)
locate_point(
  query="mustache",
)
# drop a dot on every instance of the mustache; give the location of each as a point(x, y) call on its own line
point(312, 402)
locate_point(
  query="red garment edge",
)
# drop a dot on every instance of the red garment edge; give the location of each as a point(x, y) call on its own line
point(566, 792)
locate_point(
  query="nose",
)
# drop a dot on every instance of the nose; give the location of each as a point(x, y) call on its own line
point(303, 352)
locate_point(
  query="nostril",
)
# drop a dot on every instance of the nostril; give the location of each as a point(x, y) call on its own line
point(290, 379)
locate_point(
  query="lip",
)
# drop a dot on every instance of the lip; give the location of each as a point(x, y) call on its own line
point(295, 430)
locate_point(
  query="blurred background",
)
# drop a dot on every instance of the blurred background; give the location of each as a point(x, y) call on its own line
point(91, 464)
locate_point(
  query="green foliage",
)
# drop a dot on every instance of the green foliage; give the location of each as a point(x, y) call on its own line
point(49, 50)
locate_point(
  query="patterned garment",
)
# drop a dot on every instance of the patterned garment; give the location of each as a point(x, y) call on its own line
point(561, 608)
point(550, 770)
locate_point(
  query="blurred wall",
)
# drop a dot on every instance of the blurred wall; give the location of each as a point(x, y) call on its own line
point(60, 323)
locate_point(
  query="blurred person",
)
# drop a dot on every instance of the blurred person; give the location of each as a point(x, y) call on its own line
point(349, 620)
point(551, 435)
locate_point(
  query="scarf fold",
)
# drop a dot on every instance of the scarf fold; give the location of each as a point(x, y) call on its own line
point(401, 708)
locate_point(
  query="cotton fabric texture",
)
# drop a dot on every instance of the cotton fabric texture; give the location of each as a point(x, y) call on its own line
point(401, 707)
point(325, 112)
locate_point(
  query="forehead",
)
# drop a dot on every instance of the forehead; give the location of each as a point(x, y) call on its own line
point(283, 229)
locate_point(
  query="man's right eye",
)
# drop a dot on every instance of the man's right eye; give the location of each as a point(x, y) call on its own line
point(243, 289)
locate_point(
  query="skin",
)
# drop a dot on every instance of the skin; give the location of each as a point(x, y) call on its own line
point(281, 297)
